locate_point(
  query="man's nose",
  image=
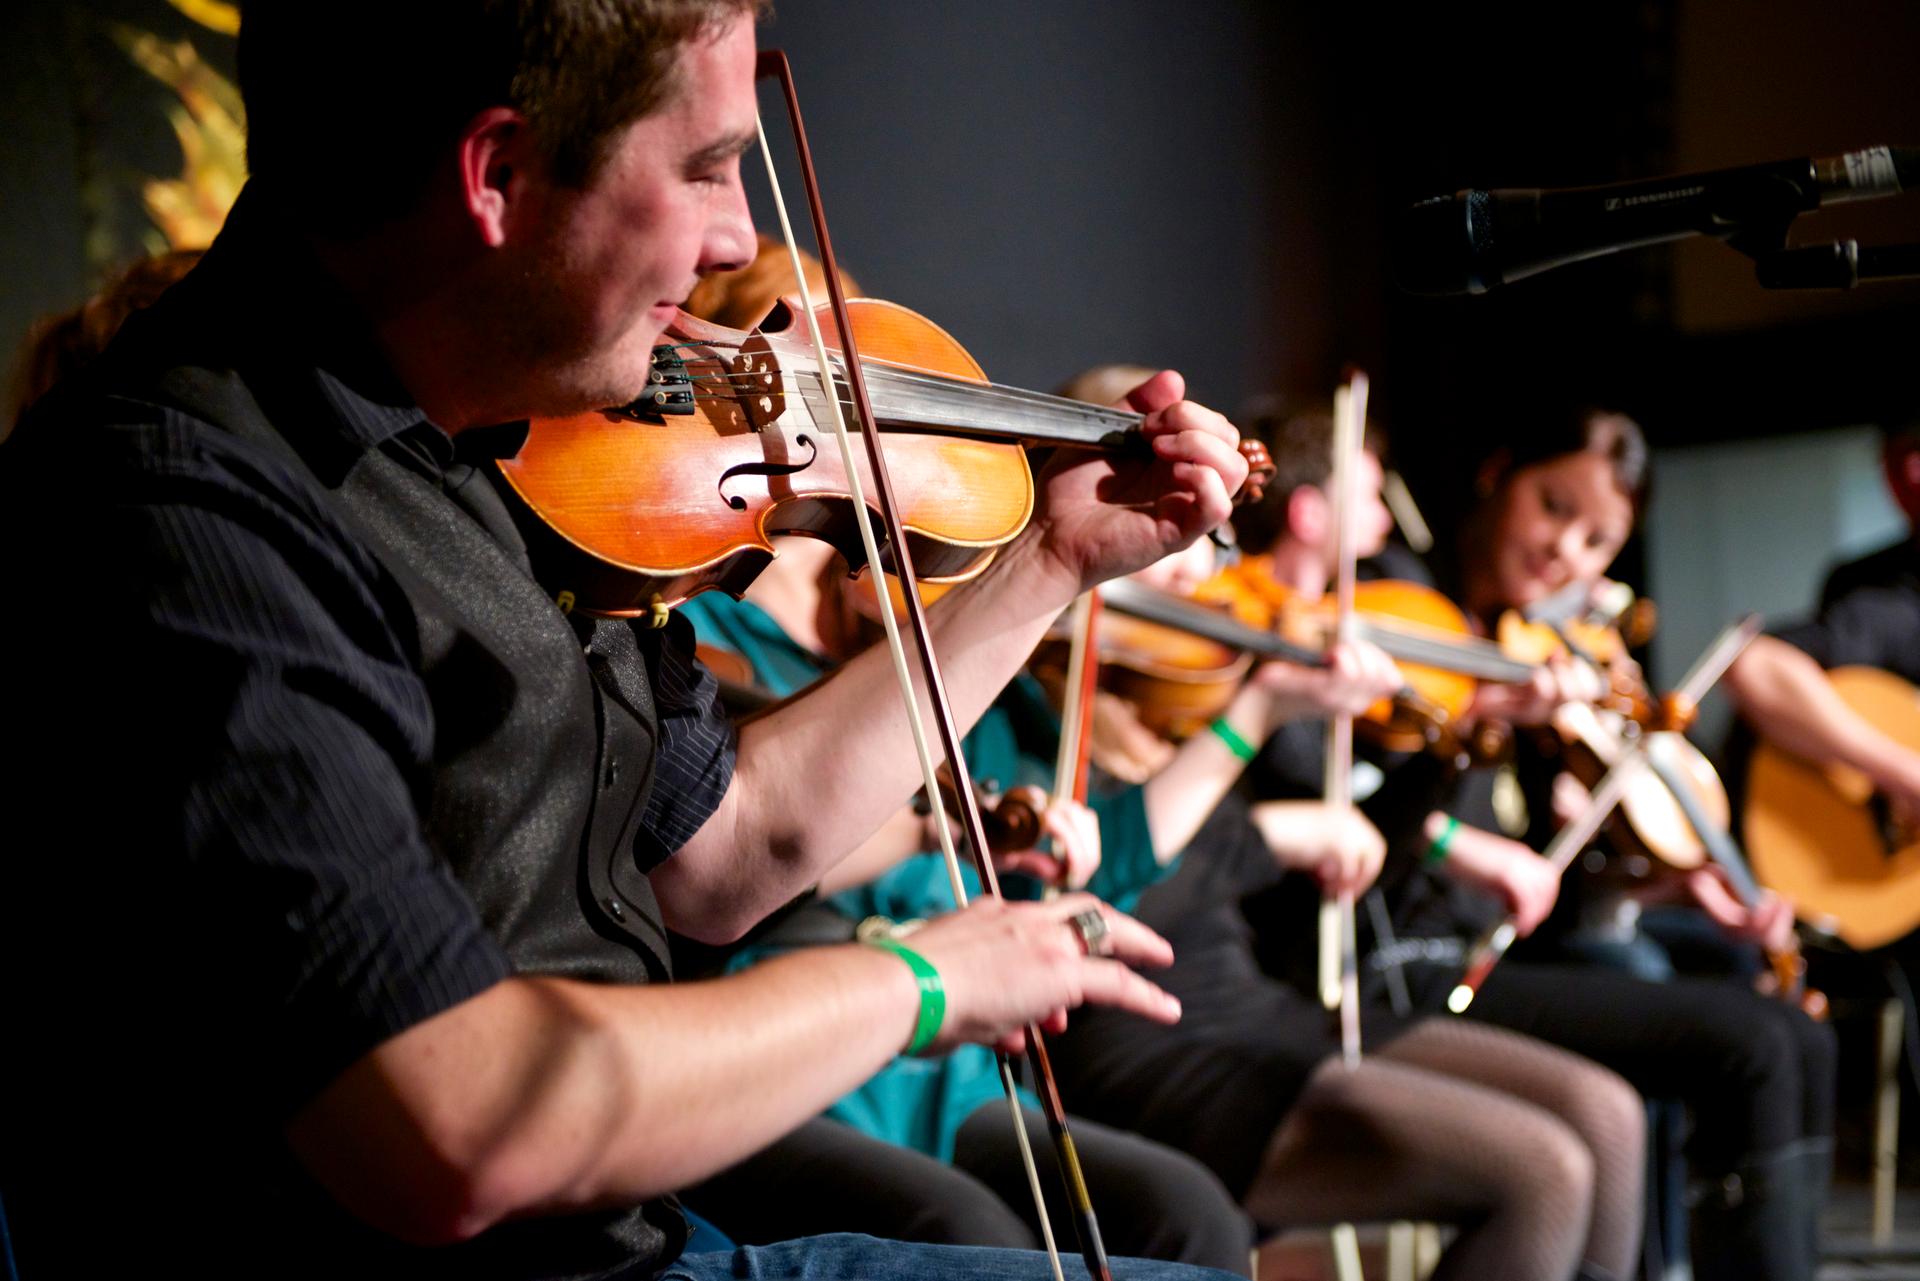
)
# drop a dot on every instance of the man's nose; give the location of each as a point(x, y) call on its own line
point(731, 243)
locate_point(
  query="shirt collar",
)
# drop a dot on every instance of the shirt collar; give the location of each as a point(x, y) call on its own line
point(317, 348)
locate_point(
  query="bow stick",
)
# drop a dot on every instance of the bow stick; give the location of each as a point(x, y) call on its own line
point(1071, 763)
point(1339, 964)
point(773, 63)
point(1339, 959)
point(1567, 843)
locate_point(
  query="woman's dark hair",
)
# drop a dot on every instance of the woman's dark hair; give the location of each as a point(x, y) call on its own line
point(61, 345)
point(1586, 429)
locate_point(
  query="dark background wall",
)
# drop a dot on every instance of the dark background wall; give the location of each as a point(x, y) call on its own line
point(1209, 185)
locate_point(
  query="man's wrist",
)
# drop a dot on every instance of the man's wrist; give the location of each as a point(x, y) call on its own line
point(1046, 579)
point(932, 992)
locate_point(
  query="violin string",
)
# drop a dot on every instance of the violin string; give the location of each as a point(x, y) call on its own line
point(933, 384)
point(955, 414)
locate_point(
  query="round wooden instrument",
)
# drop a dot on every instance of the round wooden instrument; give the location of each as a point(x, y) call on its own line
point(1825, 839)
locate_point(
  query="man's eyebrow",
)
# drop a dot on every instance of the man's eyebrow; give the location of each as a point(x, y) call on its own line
point(725, 149)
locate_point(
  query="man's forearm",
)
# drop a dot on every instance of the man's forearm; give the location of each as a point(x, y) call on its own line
point(819, 774)
point(552, 1096)
point(1786, 696)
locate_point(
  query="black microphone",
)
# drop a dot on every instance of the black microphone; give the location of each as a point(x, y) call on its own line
point(1471, 241)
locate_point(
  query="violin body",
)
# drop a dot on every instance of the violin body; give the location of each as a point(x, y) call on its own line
point(1407, 620)
point(1175, 680)
point(629, 513)
point(1650, 822)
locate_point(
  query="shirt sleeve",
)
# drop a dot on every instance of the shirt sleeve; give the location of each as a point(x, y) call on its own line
point(698, 744)
point(270, 738)
point(1876, 626)
point(1127, 861)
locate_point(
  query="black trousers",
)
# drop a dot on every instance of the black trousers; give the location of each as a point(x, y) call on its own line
point(1756, 1073)
point(1151, 1201)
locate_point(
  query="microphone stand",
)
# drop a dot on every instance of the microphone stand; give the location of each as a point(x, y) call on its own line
point(1841, 264)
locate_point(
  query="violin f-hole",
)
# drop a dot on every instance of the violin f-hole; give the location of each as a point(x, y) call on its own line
point(768, 469)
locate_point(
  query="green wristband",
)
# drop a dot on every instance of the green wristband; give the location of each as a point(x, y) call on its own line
point(933, 993)
point(1437, 848)
point(1231, 737)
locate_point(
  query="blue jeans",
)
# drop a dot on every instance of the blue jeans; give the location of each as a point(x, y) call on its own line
point(848, 1257)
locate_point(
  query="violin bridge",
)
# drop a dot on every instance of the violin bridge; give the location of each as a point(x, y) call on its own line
point(757, 383)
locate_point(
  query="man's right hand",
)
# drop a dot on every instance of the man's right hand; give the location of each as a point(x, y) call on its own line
point(1005, 965)
point(1897, 776)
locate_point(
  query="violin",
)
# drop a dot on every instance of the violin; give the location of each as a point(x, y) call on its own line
point(1678, 791)
point(628, 511)
point(1674, 810)
point(1176, 677)
point(1430, 637)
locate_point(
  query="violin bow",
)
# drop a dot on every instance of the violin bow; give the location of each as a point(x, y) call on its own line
point(1567, 843)
point(1339, 948)
point(772, 63)
point(1339, 963)
point(1072, 762)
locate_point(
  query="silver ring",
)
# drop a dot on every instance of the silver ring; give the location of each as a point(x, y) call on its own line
point(1090, 927)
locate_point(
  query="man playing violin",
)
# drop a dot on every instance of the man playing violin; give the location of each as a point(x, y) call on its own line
point(393, 840)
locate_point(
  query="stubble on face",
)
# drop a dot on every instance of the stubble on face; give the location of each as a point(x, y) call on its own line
point(597, 261)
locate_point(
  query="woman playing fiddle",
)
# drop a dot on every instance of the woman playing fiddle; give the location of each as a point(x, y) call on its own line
point(1530, 1153)
point(1755, 1073)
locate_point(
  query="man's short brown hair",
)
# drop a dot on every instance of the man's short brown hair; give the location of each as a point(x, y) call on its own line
point(359, 97)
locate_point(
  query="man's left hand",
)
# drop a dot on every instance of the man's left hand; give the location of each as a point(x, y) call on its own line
point(1103, 515)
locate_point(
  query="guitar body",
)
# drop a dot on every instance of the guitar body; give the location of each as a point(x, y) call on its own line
point(1821, 837)
point(628, 515)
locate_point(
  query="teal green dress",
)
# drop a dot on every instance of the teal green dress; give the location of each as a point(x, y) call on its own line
point(920, 1103)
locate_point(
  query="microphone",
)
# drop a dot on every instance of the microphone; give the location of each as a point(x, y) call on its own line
point(1471, 241)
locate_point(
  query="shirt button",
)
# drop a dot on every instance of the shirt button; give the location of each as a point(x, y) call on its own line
point(613, 772)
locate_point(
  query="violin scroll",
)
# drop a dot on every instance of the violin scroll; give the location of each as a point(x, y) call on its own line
point(1013, 818)
point(1260, 470)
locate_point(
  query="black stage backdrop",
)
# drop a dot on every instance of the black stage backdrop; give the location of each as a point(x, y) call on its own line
point(1209, 185)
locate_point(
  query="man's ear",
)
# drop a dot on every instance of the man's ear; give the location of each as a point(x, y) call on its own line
point(496, 162)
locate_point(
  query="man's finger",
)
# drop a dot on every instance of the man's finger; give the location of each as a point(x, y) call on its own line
point(1111, 984)
point(1188, 419)
point(1132, 942)
point(1165, 388)
point(1034, 863)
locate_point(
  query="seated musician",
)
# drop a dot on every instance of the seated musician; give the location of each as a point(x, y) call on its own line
point(1869, 616)
point(1530, 1154)
point(1755, 1073)
point(343, 952)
